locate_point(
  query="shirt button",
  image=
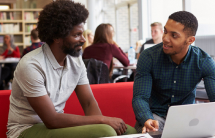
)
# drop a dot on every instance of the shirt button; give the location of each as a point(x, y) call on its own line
point(176, 66)
point(174, 81)
point(173, 96)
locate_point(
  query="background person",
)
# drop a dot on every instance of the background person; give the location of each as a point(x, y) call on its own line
point(88, 35)
point(104, 48)
point(11, 51)
point(35, 42)
point(157, 33)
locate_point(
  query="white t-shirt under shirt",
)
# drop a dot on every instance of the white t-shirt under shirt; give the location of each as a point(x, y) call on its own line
point(38, 73)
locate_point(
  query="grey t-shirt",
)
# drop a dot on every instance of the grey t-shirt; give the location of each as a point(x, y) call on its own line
point(38, 73)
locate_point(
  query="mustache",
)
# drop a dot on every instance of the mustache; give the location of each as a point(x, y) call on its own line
point(80, 44)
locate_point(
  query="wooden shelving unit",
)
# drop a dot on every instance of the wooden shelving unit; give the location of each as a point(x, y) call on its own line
point(18, 22)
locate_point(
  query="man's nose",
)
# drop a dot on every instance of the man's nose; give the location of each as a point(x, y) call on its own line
point(165, 38)
point(83, 39)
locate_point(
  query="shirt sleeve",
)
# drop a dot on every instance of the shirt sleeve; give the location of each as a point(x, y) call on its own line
point(120, 55)
point(208, 69)
point(5, 53)
point(142, 89)
point(30, 78)
point(16, 53)
point(83, 78)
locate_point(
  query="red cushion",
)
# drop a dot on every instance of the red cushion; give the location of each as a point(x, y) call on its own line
point(4, 106)
point(114, 99)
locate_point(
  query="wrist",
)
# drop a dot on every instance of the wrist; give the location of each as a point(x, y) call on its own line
point(101, 119)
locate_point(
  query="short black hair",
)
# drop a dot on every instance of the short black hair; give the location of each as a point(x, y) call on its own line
point(58, 18)
point(189, 21)
point(34, 34)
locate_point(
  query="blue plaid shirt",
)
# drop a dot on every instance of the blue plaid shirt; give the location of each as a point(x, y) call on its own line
point(160, 83)
point(32, 47)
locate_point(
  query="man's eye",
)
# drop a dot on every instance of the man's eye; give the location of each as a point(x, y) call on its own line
point(174, 36)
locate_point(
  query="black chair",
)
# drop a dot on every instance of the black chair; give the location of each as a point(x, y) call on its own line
point(97, 71)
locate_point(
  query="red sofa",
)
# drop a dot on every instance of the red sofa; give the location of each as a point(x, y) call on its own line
point(114, 99)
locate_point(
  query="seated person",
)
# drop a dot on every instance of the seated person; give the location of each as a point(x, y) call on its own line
point(88, 35)
point(11, 51)
point(46, 77)
point(157, 33)
point(168, 73)
point(35, 42)
point(104, 48)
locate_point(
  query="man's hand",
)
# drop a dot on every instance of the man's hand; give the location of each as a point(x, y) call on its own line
point(116, 123)
point(150, 125)
point(10, 48)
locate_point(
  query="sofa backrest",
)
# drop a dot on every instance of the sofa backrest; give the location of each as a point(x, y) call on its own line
point(4, 106)
point(114, 100)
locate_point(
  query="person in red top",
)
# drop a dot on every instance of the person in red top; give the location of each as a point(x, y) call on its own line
point(104, 48)
point(10, 51)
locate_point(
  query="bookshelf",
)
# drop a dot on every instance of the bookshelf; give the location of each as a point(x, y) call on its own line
point(19, 23)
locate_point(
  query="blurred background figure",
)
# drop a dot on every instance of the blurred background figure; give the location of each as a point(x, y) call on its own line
point(11, 51)
point(157, 33)
point(104, 48)
point(88, 35)
point(35, 42)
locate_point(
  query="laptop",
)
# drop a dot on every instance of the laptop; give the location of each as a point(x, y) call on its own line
point(190, 121)
point(148, 46)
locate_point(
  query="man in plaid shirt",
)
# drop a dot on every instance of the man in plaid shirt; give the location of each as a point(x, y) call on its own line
point(35, 42)
point(168, 73)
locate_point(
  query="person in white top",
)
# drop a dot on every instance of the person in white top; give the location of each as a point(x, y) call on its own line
point(46, 77)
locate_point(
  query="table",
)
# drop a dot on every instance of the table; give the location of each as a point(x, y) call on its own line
point(8, 60)
point(125, 69)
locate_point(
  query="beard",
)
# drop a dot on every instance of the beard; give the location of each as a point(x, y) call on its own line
point(174, 52)
point(71, 50)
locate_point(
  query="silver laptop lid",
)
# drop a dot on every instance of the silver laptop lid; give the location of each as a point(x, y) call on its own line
point(190, 121)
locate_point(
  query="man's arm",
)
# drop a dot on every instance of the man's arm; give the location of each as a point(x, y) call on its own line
point(208, 69)
point(142, 91)
point(87, 100)
point(44, 107)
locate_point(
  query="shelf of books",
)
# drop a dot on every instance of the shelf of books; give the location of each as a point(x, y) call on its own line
point(19, 23)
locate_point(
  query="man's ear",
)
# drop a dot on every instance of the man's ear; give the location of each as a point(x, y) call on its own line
point(191, 39)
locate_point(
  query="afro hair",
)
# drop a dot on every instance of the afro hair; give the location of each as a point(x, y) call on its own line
point(58, 18)
point(188, 20)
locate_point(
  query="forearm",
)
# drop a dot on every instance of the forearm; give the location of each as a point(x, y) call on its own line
point(141, 110)
point(61, 120)
point(92, 108)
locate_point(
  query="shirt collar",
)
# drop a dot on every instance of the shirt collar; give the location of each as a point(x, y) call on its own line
point(186, 57)
point(51, 57)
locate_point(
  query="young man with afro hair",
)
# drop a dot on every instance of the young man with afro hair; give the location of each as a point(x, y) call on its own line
point(46, 77)
point(168, 73)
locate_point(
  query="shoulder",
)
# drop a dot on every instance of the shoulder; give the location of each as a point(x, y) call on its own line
point(35, 56)
point(196, 51)
point(149, 42)
point(200, 56)
point(75, 62)
point(154, 53)
point(154, 49)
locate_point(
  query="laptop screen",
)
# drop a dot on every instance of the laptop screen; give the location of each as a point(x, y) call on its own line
point(148, 46)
